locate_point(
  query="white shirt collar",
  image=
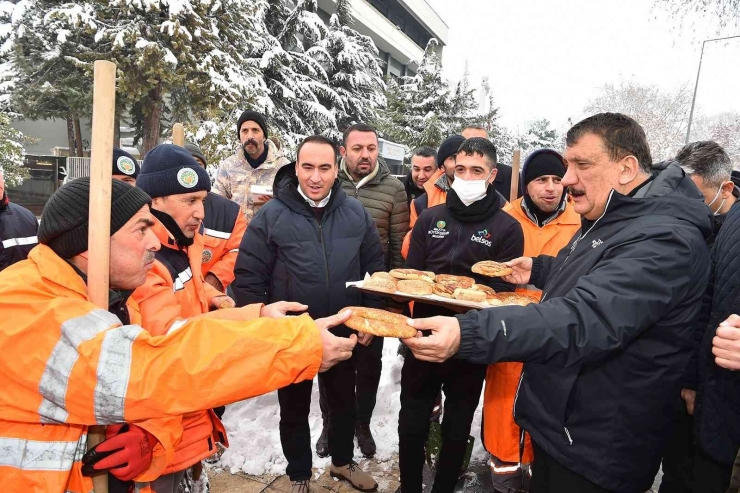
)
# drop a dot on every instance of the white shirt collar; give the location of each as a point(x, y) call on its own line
point(319, 205)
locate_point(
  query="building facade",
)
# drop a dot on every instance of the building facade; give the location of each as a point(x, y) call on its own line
point(400, 29)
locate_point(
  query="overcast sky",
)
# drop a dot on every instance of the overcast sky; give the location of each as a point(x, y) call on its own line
point(546, 59)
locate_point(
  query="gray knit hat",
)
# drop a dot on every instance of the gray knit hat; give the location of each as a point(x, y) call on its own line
point(64, 221)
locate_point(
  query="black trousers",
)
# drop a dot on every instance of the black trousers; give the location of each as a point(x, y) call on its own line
point(420, 385)
point(339, 387)
point(710, 476)
point(548, 476)
point(368, 366)
point(295, 434)
point(678, 458)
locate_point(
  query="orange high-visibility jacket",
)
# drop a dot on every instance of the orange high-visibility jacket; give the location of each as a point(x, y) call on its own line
point(435, 196)
point(223, 229)
point(500, 432)
point(67, 364)
point(174, 290)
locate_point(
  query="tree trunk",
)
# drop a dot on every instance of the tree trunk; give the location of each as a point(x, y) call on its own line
point(152, 120)
point(78, 138)
point(71, 145)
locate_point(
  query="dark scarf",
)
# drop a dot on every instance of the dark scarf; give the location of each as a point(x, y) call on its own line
point(478, 211)
point(256, 163)
point(4, 201)
point(181, 240)
point(541, 216)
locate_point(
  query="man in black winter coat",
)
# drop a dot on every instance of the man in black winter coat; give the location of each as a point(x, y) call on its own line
point(448, 239)
point(303, 246)
point(717, 406)
point(605, 349)
point(18, 227)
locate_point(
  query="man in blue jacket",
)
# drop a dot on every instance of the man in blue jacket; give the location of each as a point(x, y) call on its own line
point(303, 246)
point(18, 228)
point(605, 349)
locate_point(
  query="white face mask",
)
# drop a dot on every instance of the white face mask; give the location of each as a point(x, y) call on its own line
point(716, 213)
point(470, 191)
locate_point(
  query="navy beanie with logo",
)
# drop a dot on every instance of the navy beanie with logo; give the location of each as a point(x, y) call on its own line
point(169, 169)
point(124, 163)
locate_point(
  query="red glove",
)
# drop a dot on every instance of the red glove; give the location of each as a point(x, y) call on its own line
point(126, 453)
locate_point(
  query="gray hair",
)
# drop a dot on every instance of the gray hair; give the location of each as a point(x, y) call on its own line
point(708, 160)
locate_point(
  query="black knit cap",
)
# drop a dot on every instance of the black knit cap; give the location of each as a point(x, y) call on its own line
point(125, 164)
point(64, 220)
point(542, 162)
point(171, 170)
point(250, 116)
point(449, 147)
point(195, 151)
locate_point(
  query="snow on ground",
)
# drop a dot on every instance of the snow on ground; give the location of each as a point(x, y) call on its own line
point(254, 434)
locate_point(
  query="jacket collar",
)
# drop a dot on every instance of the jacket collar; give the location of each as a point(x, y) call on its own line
point(381, 171)
point(168, 233)
point(273, 160)
point(566, 215)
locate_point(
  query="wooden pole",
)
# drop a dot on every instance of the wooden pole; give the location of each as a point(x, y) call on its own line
point(514, 192)
point(178, 135)
point(98, 266)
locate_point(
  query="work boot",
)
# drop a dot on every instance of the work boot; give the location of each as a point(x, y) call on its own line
point(359, 479)
point(300, 486)
point(365, 439)
point(322, 444)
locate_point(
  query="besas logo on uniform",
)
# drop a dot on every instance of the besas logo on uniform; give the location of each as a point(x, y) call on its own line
point(187, 177)
point(207, 256)
point(482, 237)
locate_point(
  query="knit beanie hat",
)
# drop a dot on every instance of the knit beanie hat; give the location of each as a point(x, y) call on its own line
point(541, 163)
point(169, 169)
point(250, 116)
point(64, 220)
point(124, 163)
point(449, 147)
point(195, 151)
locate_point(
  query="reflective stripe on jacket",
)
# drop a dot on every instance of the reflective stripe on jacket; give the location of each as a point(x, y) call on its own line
point(500, 433)
point(223, 228)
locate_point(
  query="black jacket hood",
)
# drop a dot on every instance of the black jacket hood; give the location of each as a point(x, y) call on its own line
point(285, 188)
point(670, 193)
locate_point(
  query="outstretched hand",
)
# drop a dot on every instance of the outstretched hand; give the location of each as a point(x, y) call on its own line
point(281, 308)
point(441, 345)
point(522, 268)
point(336, 349)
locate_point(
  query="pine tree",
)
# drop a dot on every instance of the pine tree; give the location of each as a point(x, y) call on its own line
point(353, 71)
point(188, 53)
point(11, 152)
point(539, 136)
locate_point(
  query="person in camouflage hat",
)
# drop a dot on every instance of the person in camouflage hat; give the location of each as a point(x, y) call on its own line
point(254, 165)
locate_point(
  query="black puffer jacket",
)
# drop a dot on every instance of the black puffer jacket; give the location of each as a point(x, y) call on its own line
point(717, 412)
point(287, 254)
point(605, 350)
point(18, 228)
point(385, 199)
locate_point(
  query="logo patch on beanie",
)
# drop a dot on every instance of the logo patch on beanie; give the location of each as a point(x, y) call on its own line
point(187, 177)
point(207, 256)
point(126, 165)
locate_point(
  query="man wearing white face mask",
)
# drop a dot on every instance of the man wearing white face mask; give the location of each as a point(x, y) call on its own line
point(448, 239)
point(710, 169)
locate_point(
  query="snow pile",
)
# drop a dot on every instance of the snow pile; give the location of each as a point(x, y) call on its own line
point(254, 435)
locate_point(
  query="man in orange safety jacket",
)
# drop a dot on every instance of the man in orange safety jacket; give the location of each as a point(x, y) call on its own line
point(224, 226)
point(549, 223)
point(68, 364)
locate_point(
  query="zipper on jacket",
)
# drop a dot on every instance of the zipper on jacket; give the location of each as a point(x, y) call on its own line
point(567, 433)
point(575, 243)
point(326, 263)
point(516, 396)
